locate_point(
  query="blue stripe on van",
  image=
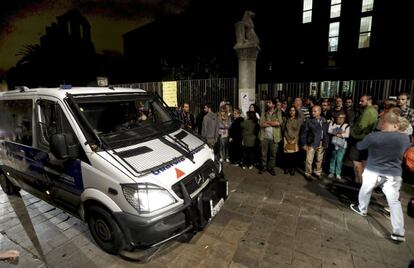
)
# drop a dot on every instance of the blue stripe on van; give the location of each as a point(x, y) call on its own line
point(32, 162)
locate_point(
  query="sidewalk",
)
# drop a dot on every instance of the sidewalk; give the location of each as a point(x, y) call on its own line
point(281, 221)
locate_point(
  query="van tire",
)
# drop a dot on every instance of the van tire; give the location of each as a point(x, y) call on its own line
point(8, 187)
point(105, 230)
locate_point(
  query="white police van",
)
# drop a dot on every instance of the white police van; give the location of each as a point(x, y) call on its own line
point(114, 157)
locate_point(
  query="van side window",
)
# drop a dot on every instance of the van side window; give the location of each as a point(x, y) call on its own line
point(16, 121)
point(52, 120)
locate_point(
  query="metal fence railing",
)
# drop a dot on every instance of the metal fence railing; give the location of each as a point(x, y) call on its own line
point(201, 91)
point(378, 89)
point(198, 92)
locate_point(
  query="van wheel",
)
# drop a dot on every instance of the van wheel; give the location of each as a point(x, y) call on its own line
point(7, 186)
point(105, 230)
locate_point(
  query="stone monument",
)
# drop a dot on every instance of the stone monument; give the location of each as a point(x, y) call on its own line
point(247, 48)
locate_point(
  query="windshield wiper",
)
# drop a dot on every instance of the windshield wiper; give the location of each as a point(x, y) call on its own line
point(91, 137)
point(182, 149)
point(180, 142)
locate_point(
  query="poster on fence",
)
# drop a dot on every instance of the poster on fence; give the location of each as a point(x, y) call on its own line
point(169, 93)
point(244, 101)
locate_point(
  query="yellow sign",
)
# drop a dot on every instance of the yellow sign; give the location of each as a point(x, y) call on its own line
point(169, 93)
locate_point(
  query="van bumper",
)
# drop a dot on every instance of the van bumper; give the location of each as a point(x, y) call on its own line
point(193, 215)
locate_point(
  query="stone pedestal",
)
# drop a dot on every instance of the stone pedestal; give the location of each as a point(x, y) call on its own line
point(247, 48)
point(247, 74)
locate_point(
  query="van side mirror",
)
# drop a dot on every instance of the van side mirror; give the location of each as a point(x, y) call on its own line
point(60, 146)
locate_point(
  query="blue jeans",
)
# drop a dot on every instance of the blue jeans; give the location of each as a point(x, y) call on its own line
point(224, 149)
point(337, 158)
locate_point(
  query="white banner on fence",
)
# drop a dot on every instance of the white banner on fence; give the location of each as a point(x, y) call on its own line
point(169, 93)
point(245, 103)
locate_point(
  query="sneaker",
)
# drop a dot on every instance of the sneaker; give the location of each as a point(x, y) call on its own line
point(308, 177)
point(228, 160)
point(221, 159)
point(235, 164)
point(250, 167)
point(339, 178)
point(330, 175)
point(355, 208)
point(244, 167)
point(399, 238)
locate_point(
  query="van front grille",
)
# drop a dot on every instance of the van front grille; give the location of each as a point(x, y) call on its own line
point(195, 180)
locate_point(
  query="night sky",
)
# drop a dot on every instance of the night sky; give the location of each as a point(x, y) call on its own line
point(23, 22)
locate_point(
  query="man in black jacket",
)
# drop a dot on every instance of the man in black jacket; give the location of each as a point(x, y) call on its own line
point(186, 117)
point(314, 139)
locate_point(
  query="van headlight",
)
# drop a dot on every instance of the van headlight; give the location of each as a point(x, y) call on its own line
point(213, 157)
point(146, 197)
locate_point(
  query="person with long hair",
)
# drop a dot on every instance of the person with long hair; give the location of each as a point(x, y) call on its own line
point(291, 128)
point(223, 132)
point(254, 108)
point(257, 151)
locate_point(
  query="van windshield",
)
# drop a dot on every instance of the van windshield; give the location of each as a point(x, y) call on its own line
point(123, 119)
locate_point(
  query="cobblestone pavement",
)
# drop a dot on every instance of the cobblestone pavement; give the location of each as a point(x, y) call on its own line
point(267, 221)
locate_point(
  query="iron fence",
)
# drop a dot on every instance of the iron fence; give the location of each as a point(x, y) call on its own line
point(198, 92)
point(201, 91)
point(378, 89)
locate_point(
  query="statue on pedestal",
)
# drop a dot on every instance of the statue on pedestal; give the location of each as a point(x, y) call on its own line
point(245, 34)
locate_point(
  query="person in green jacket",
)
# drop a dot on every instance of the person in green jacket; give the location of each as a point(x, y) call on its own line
point(250, 129)
point(364, 125)
point(270, 136)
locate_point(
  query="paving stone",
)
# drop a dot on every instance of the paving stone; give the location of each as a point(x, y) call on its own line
point(302, 259)
point(267, 264)
point(278, 254)
point(211, 261)
point(335, 241)
point(288, 208)
point(269, 211)
point(237, 265)
point(336, 258)
point(398, 255)
point(286, 223)
point(365, 248)
point(274, 196)
point(309, 223)
point(278, 238)
point(366, 262)
point(248, 256)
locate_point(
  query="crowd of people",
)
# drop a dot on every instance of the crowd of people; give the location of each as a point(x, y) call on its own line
point(318, 136)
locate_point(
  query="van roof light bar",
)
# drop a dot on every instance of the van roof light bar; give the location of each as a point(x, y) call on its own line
point(65, 86)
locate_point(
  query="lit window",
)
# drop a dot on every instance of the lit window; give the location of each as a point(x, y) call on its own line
point(365, 32)
point(333, 36)
point(307, 11)
point(367, 5)
point(335, 8)
point(365, 24)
